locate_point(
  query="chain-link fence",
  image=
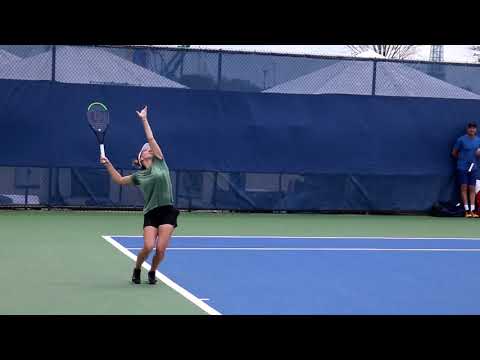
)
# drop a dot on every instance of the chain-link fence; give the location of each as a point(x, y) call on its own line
point(90, 188)
point(217, 71)
point(237, 71)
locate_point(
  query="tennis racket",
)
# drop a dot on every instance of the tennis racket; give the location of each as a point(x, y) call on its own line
point(99, 120)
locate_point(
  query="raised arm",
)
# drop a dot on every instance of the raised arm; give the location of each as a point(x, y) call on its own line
point(149, 134)
point(116, 177)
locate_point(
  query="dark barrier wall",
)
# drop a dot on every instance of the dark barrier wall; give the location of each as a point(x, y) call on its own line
point(351, 152)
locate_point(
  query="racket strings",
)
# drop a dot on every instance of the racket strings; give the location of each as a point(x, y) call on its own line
point(99, 120)
point(98, 117)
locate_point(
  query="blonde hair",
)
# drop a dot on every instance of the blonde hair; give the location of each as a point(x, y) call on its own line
point(137, 162)
point(145, 147)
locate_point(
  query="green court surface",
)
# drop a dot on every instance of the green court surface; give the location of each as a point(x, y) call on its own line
point(56, 262)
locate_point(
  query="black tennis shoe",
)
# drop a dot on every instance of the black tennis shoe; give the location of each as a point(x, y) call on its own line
point(152, 280)
point(136, 276)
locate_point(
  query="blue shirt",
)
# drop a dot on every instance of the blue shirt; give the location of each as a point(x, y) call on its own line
point(467, 147)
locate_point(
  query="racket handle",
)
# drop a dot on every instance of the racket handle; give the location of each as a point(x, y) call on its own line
point(102, 150)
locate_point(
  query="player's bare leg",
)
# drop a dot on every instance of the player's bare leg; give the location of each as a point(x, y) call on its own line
point(149, 236)
point(164, 235)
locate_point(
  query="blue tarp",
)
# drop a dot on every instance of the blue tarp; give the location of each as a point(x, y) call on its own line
point(355, 152)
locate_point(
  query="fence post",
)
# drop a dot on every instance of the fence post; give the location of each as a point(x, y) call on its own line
point(49, 201)
point(374, 81)
point(120, 190)
point(27, 185)
point(219, 72)
point(280, 192)
point(177, 174)
point(214, 196)
point(54, 59)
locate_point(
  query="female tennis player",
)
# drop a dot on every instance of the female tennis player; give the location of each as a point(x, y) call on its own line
point(160, 216)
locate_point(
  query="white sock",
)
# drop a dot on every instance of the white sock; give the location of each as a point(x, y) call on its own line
point(467, 208)
point(472, 207)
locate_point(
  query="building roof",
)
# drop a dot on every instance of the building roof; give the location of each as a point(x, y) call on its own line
point(85, 65)
point(6, 57)
point(355, 77)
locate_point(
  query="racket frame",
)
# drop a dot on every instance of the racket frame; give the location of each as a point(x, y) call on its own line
point(100, 135)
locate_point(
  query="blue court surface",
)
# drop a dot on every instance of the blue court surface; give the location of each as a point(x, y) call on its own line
point(332, 276)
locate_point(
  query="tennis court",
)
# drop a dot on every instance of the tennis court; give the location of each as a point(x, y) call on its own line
point(257, 151)
point(63, 262)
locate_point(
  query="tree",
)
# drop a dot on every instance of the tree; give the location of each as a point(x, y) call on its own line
point(389, 51)
point(476, 51)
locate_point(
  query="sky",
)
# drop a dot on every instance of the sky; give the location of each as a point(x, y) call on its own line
point(452, 53)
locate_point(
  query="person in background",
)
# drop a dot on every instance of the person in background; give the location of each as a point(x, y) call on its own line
point(466, 151)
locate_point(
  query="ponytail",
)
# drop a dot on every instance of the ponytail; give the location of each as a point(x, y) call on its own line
point(137, 164)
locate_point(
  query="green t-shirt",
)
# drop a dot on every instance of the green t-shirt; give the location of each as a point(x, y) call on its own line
point(155, 185)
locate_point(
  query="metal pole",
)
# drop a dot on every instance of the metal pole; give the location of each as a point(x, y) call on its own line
point(214, 200)
point(120, 190)
point(27, 185)
point(374, 77)
point(54, 59)
point(177, 174)
point(274, 74)
point(49, 187)
point(219, 72)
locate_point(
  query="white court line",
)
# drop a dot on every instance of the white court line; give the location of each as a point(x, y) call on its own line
point(306, 237)
point(315, 249)
point(189, 296)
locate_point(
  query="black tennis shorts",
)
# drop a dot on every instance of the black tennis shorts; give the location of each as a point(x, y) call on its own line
point(160, 216)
